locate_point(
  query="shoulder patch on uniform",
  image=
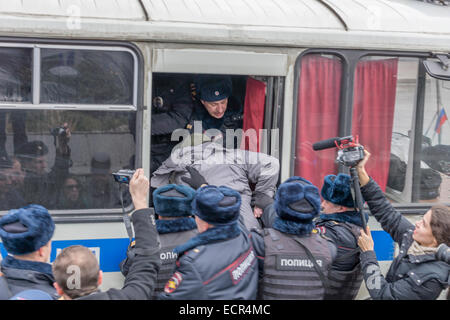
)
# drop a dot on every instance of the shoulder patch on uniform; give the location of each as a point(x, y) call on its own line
point(173, 283)
point(320, 229)
point(240, 267)
point(189, 126)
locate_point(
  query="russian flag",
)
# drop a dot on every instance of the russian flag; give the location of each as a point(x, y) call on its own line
point(440, 121)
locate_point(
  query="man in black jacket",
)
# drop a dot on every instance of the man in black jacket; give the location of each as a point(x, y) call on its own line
point(340, 222)
point(141, 277)
point(26, 235)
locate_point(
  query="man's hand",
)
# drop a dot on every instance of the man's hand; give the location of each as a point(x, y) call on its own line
point(196, 180)
point(257, 212)
point(365, 241)
point(139, 187)
point(361, 168)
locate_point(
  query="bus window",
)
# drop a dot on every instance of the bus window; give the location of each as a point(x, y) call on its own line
point(318, 109)
point(15, 74)
point(383, 103)
point(384, 117)
point(86, 77)
point(435, 179)
point(37, 167)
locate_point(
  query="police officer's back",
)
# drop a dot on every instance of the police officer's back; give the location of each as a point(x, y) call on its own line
point(175, 226)
point(219, 263)
point(296, 255)
point(26, 235)
point(342, 224)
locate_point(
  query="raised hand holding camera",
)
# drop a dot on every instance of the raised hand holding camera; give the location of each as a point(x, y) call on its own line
point(139, 187)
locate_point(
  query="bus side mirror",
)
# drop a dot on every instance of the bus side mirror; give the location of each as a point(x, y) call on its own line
point(438, 69)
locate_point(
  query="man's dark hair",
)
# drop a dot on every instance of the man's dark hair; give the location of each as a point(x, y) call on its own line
point(76, 261)
point(440, 224)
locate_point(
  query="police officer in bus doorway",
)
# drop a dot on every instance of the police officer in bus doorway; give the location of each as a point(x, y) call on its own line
point(175, 226)
point(220, 245)
point(26, 234)
point(340, 222)
point(293, 249)
point(213, 106)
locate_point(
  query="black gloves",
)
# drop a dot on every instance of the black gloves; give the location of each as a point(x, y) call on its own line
point(196, 180)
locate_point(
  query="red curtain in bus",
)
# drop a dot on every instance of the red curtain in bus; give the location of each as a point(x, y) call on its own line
point(255, 98)
point(373, 113)
point(317, 116)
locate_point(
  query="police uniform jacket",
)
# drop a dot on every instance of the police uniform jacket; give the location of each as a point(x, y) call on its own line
point(216, 270)
point(286, 271)
point(410, 277)
point(169, 241)
point(182, 115)
point(19, 275)
point(345, 236)
point(345, 276)
point(141, 277)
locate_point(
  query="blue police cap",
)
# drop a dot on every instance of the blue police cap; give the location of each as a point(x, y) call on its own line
point(213, 88)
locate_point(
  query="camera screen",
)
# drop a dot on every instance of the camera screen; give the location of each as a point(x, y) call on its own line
point(121, 179)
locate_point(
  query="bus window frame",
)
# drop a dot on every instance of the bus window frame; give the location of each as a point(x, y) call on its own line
point(36, 80)
point(350, 59)
point(86, 215)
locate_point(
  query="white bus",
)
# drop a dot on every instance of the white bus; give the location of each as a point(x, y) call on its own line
point(376, 69)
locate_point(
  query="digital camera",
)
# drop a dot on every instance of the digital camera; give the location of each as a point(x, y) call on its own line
point(350, 152)
point(123, 176)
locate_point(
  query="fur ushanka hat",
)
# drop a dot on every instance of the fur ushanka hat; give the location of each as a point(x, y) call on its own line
point(336, 189)
point(217, 205)
point(27, 229)
point(173, 200)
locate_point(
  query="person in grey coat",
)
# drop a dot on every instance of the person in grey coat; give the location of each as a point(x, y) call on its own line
point(415, 274)
point(233, 168)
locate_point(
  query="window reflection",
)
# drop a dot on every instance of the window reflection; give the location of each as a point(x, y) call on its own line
point(86, 77)
point(15, 74)
point(66, 169)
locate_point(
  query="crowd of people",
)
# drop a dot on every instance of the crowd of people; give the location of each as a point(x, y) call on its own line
point(199, 248)
point(212, 237)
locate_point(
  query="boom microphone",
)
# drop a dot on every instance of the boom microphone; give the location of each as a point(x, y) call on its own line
point(325, 144)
